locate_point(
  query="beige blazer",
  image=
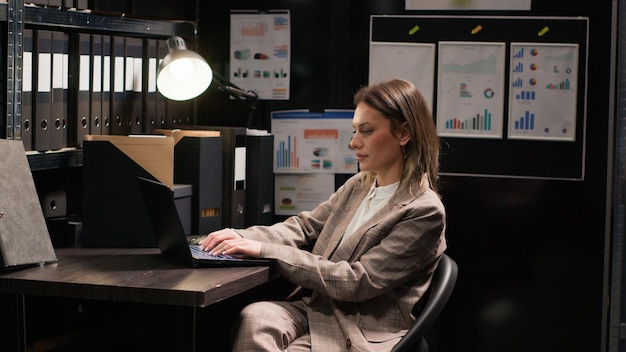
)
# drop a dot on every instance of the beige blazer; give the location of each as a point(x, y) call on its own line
point(364, 290)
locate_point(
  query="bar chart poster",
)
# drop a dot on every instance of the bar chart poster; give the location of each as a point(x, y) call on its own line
point(414, 62)
point(260, 52)
point(470, 93)
point(313, 142)
point(543, 91)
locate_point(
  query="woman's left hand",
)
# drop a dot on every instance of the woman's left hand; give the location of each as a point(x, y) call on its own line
point(229, 242)
point(238, 247)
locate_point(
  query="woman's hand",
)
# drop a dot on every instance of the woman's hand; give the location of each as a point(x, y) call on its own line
point(229, 242)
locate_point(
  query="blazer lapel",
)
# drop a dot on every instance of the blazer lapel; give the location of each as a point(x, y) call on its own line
point(339, 229)
point(347, 248)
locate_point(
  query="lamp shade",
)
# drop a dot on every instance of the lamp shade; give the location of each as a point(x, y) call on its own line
point(182, 74)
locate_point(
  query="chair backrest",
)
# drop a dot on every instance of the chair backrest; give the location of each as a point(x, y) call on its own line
point(441, 287)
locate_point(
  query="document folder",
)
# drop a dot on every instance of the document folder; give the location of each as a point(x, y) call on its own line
point(198, 162)
point(151, 121)
point(106, 86)
point(60, 74)
point(24, 237)
point(134, 83)
point(95, 94)
point(120, 114)
point(233, 172)
point(42, 109)
point(27, 90)
point(82, 90)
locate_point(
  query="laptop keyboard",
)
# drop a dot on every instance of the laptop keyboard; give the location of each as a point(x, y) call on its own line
point(198, 253)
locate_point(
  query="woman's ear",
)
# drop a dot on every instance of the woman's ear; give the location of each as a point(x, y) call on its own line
point(404, 137)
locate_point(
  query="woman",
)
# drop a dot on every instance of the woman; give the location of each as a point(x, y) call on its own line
point(366, 255)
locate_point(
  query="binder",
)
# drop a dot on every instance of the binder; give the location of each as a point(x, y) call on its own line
point(81, 100)
point(233, 175)
point(134, 83)
point(41, 108)
point(151, 121)
point(259, 180)
point(120, 118)
point(58, 105)
point(233, 172)
point(95, 94)
point(27, 90)
point(197, 161)
point(161, 101)
point(106, 86)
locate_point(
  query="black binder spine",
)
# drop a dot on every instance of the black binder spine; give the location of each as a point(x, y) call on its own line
point(95, 99)
point(134, 83)
point(81, 89)
point(107, 99)
point(120, 117)
point(43, 79)
point(27, 90)
point(149, 86)
point(60, 74)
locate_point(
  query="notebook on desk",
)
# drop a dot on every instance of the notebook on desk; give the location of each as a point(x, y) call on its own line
point(170, 235)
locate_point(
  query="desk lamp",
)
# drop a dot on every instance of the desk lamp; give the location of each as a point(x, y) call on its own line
point(183, 74)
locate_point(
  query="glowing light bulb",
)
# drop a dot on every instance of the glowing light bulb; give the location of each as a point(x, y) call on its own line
point(181, 69)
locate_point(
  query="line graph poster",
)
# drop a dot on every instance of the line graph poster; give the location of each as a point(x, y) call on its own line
point(414, 62)
point(543, 91)
point(470, 93)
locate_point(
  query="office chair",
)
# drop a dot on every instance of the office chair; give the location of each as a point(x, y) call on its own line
point(436, 298)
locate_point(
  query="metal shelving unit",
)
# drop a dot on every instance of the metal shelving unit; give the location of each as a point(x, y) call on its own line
point(16, 16)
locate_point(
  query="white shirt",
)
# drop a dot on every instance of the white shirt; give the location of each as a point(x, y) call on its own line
point(371, 204)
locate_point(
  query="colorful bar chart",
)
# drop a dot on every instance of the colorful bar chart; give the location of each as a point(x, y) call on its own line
point(286, 155)
point(518, 83)
point(527, 122)
point(519, 54)
point(518, 68)
point(477, 123)
point(562, 85)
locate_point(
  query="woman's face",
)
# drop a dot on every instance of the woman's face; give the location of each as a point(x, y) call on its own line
point(377, 148)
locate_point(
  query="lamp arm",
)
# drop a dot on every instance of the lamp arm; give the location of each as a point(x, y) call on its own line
point(249, 97)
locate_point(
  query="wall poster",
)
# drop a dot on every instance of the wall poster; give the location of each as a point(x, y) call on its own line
point(260, 52)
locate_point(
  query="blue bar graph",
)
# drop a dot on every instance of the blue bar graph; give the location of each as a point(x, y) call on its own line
point(525, 95)
point(527, 122)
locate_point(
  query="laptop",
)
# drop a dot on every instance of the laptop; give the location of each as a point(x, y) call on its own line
point(170, 235)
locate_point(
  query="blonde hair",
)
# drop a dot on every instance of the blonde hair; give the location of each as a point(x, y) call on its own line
point(401, 102)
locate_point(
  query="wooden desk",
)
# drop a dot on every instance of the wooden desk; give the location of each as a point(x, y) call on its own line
point(128, 275)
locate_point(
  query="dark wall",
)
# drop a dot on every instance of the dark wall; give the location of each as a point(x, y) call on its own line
point(530, 251)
